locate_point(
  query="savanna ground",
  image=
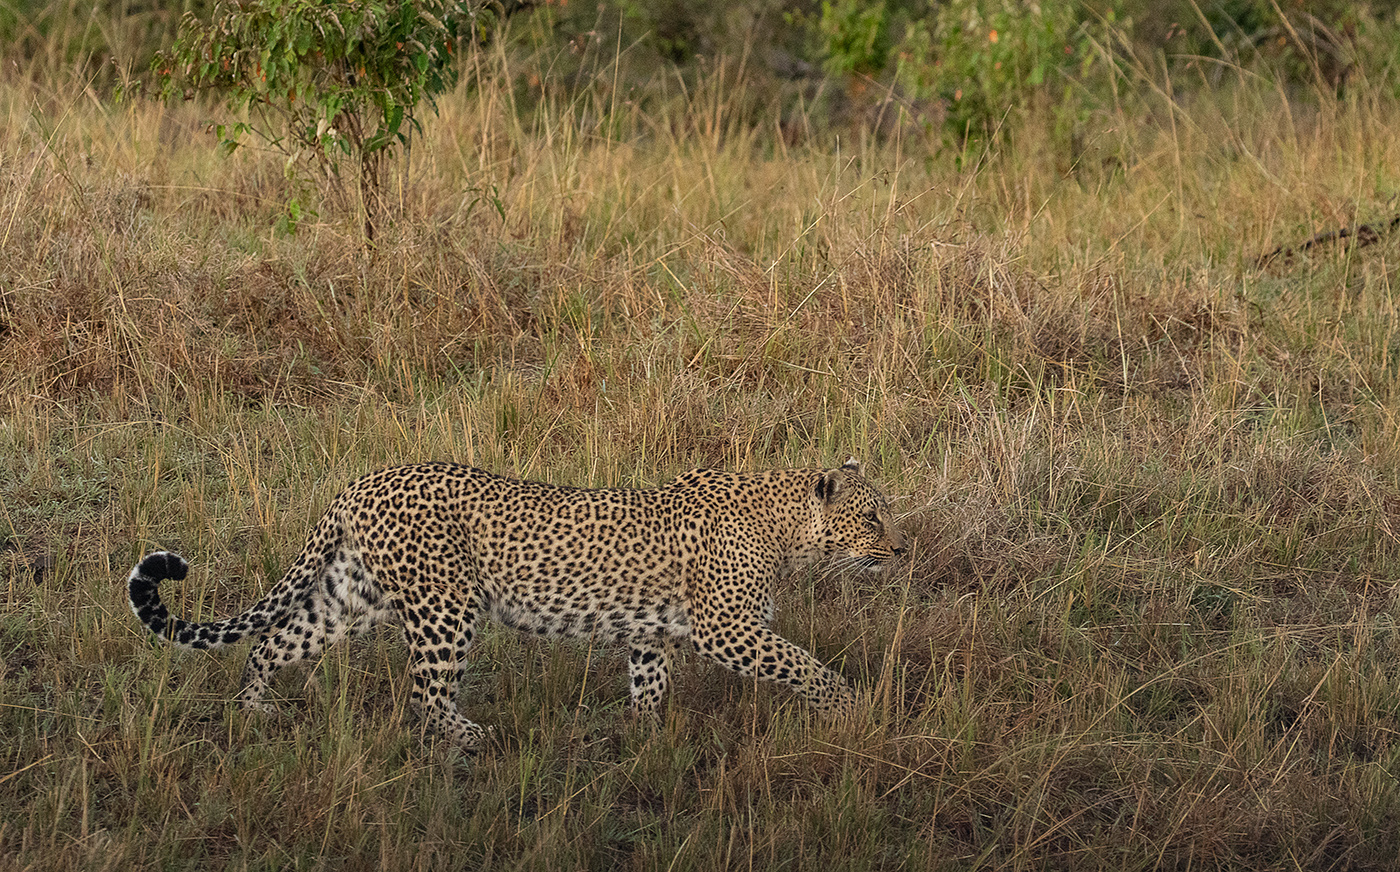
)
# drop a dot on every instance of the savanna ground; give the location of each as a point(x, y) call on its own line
point(1153, 489)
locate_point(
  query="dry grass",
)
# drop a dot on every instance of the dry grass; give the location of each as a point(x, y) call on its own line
point(1154, 494)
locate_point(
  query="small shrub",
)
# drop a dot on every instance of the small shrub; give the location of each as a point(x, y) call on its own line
point(984, 59)
point(325, 82)
point(856, 36)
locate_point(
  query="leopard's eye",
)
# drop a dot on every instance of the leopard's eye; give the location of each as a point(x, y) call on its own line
point(872, 516)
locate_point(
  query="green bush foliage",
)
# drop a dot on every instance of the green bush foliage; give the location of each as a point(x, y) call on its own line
point(325, 83)
point(985, 59)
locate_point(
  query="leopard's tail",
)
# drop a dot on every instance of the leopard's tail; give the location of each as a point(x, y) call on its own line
point(142, 587)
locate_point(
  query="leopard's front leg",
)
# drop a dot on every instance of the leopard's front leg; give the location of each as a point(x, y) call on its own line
point(750, 648)
point(649, 667)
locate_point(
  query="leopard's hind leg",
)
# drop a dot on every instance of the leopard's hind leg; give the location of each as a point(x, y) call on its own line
point(440, 627)
point(326, 596)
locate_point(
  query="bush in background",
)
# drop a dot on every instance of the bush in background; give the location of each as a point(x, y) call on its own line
point(325, 83)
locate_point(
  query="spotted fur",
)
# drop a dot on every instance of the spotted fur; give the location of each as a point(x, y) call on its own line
point(438, 547)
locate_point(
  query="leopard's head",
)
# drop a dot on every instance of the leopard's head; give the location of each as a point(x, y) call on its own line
point(856, 525)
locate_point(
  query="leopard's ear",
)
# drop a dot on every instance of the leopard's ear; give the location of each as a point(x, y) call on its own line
point(852, 465)
point(832, 483)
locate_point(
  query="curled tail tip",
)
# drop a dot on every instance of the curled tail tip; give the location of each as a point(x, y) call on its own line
point(142, 590)
point(160, 565)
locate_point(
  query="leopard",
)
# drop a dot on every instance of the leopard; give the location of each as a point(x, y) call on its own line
point(437, 547)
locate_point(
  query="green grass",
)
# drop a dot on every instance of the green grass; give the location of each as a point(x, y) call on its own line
point(1153, 493)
